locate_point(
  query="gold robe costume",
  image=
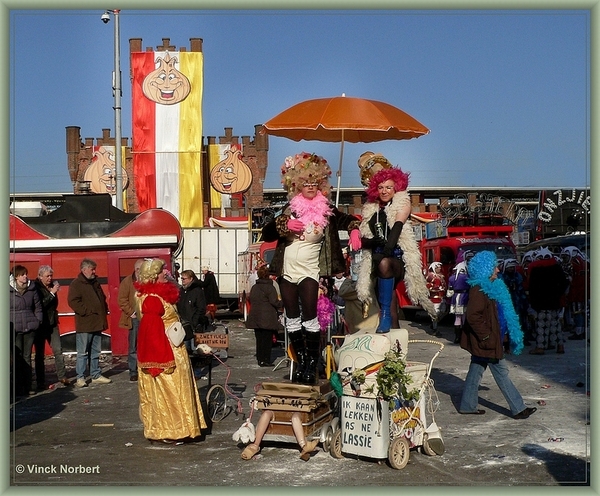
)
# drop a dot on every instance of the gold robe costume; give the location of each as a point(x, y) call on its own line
point(169, 401)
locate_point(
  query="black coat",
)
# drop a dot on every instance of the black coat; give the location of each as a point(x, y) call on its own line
point(49, 306)
point(264, 303)
point(191, 305)
point(211, 289)
point(331, 257)
point(547, 285)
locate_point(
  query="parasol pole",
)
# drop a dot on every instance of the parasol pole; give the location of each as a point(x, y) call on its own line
point(339, 172)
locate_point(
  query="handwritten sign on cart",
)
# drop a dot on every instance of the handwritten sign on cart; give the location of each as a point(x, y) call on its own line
point(365, 426)
point(212, 339)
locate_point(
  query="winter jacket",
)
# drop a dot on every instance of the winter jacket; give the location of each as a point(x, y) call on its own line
point(88, 301)
point(191, 305)
point(263, 306)
point(481, 333)
point(26, 312)
point(49, 302)
point(331, 257)
point(547, 285)
point(127, 302)
point(211, 288)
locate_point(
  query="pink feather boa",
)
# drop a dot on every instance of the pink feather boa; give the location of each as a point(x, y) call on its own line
point(315, 211)
point(325, 309)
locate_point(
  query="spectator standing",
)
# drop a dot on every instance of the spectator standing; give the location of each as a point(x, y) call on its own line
point(191, 305)
point(26, 315)
point(208, 282)
point(48, 332)
point(547, 286)
point(577, 266)
point(88, 301)
point(129, 318)
point(491, 320)
point(264, 315)
point(514, 282)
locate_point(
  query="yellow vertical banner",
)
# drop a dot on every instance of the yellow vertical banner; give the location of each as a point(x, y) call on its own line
point(190, 142)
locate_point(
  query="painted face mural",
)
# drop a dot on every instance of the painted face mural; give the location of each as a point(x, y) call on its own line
point(231, 175)
point(102, 172)
point(166, 85)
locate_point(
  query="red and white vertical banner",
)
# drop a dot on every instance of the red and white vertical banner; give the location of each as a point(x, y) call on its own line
point(167, 132)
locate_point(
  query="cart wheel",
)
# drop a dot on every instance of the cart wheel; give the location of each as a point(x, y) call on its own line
point(399, 453)
point(328, 437)
point(428, 450)
point(335, 446)
point(216, 400)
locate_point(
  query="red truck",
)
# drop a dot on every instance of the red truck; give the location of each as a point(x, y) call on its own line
point(451, 249)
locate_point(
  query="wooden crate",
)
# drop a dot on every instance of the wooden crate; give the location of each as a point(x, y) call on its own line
point(312, 420)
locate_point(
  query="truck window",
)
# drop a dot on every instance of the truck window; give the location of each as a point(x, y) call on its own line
point(446, 255)
point(429, 256)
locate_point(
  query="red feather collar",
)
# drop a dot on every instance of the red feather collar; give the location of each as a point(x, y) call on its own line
point(166, 290)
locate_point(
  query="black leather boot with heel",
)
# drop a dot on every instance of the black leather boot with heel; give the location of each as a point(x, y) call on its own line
point(297, 341)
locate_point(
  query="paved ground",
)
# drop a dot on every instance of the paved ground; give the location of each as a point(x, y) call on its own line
point(93, 436)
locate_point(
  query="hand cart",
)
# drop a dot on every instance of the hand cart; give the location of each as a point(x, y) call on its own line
point(376, 428)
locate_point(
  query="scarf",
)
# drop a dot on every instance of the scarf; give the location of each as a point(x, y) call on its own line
point(312, 211)
point(481, 267)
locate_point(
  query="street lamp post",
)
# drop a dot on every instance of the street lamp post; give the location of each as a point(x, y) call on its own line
point(117, 93)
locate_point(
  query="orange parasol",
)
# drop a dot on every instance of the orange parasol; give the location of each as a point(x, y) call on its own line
point(342, 118)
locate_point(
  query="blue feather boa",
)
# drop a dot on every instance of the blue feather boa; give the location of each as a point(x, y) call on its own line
point(480, 268)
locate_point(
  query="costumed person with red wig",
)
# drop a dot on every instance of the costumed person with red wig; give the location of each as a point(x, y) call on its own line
point(390, 251)
point(308, 246)
point(170, 406)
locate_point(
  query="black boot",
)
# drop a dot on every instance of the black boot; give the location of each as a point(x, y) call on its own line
point(457, 333)
point(297, 341)
point(313, 346)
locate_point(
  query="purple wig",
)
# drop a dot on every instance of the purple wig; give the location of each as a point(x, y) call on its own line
point(395, 174)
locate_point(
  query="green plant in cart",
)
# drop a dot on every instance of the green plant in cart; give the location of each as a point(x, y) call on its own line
point(393, 380)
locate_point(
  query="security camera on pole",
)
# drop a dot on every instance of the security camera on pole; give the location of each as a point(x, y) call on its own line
point(117, 94)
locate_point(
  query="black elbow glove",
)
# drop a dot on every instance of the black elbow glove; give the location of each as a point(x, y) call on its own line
point(392, 240)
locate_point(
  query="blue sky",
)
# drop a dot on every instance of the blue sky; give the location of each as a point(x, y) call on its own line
point(504, 93)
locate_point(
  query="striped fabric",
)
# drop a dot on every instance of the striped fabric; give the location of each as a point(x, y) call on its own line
point(167, 140)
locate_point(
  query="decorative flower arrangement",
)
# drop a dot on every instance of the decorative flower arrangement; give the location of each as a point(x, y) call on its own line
point(303, 167)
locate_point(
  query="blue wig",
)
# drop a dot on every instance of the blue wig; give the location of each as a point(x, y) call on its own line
point(481, 267)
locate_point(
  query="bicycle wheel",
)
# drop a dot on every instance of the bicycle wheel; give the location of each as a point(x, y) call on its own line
point(216, 400)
